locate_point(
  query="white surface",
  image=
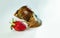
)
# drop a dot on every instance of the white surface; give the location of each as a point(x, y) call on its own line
point(47, 10)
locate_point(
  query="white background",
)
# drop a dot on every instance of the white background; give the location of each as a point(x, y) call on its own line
point(47, 10)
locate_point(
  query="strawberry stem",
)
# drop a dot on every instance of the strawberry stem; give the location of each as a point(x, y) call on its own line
point(12, 20)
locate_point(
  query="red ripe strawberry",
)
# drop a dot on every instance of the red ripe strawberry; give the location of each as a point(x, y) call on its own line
point(18, 26)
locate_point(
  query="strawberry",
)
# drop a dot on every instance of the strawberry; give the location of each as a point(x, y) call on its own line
point(18, 26)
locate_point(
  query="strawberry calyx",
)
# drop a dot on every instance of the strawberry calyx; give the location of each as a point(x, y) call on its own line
point(11, 27)
point(12, 23)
